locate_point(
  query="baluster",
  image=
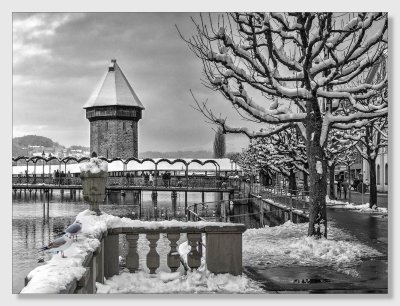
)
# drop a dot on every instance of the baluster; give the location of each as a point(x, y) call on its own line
point(153, 259)
point(132, 259)
point(173, 258)
point(194, 257)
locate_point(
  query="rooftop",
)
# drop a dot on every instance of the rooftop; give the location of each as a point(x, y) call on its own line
point(114, 89)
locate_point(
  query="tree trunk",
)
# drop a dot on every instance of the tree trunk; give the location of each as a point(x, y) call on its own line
point(305, 181)
point(292, 182)
point(372, 183)
point(317, 169)
point(349, 181)
point(332, 181)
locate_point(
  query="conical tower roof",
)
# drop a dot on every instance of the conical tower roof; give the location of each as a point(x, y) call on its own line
point(114, 89)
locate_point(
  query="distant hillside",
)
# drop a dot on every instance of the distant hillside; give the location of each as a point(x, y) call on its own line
point(20, 144)
point(34, 140)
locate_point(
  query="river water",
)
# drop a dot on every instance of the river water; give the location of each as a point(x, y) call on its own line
point(35, 223)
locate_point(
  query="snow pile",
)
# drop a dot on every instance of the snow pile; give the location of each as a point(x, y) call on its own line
point(362, 207)
point(365, 208)
point(96, 224)
point(288, 245)
point(197, 281)
point(59, 272)
point(95, 165)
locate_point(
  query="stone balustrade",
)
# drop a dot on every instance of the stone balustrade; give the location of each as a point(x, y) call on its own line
point(224, 255)
point(223, 245)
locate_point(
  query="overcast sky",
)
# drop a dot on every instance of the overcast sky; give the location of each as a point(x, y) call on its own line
point(58, 59)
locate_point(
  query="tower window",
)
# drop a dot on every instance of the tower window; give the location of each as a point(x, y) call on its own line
point(123, 126)
point(106, 126)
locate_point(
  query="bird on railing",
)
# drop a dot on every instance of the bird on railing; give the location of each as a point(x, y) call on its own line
point(74, 229)
point(59, 245)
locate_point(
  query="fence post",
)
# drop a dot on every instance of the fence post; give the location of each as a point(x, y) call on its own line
point(291, 207)
point(223, 210)
point(260, 205)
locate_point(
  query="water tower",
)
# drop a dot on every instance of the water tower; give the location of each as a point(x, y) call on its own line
point(114, 111)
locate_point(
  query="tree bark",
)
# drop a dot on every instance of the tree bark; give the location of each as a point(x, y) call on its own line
point(315, 153)
point(372, 183)
point(349, 181)
point(306, 189)
point(292, 182)
point(332, 181)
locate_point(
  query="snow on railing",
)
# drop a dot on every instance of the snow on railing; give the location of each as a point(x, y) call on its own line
point(96, 253)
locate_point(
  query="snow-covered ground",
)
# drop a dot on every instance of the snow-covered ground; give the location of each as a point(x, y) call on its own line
point(285, 245)
point(362, 207)
point(289, 245)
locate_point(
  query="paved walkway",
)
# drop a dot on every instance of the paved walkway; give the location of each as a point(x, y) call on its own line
point(358, 199)
point(369, 229)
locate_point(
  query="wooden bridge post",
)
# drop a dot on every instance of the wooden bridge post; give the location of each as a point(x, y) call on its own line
point(186, 202)
point(136, 197)
point(154, 199)
point(174, 196)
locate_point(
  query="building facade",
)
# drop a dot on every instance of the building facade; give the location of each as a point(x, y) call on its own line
point(113, 111)
point(382, 170)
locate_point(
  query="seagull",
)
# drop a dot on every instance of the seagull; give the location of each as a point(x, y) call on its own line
point(74, 229)
point(59, 245)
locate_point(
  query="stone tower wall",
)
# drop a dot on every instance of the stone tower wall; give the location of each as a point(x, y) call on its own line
point(109, 138)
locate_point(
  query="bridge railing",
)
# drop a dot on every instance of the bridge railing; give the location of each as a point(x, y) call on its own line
point(223, 252)
point(139, 181)
point(294, 199)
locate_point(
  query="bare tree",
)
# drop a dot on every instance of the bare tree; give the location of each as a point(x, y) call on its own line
point(372, 139)
point(295, 69)
point(284, 152)
point(348, 158)
point(337, 146)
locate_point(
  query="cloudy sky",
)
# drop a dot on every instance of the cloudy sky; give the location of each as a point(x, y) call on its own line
point(58, 59)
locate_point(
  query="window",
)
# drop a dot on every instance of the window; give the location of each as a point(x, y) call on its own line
point(386, 174)
point(123, 126)
point(106, 126)
point(378, 174)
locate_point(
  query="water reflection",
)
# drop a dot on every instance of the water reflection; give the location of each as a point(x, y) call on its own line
point(39, 217)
